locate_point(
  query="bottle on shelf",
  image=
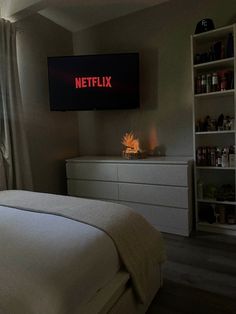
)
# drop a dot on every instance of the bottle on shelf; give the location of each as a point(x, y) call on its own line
point(198, 88)
point(232, 156)
point(200, 189)
point(209, 83)
point(215, 82)
point(222, 53)
point(203, 83)
point(220, 123)
point(213, 157)
point(223, 81)
point(230, 79)
point(225, 157)
point(218, 157)
point(217, 48)
point(230, 46)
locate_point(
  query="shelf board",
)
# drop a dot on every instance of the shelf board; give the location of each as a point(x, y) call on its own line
point(215, 168)
point(223, 226)
point(216, 202)
point(216, 33)
point(217, 228)
point(215, 132)
point(228, 92)
point(227, 62)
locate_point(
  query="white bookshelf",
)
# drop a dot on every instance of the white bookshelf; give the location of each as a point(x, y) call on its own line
point(213, 104)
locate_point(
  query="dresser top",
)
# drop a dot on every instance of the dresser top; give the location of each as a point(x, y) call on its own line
point(119, 159)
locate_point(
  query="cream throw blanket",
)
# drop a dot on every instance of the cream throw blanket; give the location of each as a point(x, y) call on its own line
point(140, 246)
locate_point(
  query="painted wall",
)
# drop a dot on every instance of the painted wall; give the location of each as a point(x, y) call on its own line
point(52, 136)
point(162, 37)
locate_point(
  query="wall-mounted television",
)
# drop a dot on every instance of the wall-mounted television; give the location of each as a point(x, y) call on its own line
point(94, 82)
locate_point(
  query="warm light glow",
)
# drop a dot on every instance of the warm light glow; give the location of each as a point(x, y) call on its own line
point(153, 139)
point(131, 143)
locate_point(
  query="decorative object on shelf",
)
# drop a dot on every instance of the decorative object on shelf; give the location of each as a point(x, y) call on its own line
point(220, 214)
point(216, 50)
point(231, 219)
point(132, 148)
point(210, 191)
point(217, 81)
point(226, 193)
point(222, 123)
point(204, 25)
point(211, 156)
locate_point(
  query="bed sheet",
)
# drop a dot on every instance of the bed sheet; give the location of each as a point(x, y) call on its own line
point(50, 264)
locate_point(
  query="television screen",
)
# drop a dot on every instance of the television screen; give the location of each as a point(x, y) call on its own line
point(109, 81)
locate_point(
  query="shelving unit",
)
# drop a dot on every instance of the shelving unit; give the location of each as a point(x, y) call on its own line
point(215, 209)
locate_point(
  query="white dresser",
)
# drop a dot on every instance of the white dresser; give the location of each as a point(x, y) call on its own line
point(158, 188)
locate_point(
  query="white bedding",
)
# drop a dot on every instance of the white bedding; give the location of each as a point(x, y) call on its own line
point(51, 252)
point(40, 287)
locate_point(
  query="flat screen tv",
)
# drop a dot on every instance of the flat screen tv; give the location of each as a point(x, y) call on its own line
point(94, 82)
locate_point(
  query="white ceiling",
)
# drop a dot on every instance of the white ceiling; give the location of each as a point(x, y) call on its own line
point(74, 15)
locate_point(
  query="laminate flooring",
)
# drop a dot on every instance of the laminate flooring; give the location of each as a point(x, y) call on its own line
point(199, 275)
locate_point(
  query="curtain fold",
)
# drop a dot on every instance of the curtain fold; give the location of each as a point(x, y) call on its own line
point(15, 171)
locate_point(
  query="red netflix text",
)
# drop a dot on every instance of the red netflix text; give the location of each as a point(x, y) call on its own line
point(93, 81)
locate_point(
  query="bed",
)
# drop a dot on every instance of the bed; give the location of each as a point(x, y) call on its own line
point(68, 255)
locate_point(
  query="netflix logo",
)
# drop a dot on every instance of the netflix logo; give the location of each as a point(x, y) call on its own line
point(93, 81)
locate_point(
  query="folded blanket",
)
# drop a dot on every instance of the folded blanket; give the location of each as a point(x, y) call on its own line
point(139, 245)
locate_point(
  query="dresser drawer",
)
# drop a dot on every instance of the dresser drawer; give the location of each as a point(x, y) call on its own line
point(91, 171)
point(154, 194)
point(166, 219)
point(176, 175)
point(93, 189)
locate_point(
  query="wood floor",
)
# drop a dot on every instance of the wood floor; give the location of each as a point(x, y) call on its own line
point(199, 276)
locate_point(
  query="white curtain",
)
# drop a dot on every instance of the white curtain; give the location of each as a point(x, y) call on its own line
point(15, 170)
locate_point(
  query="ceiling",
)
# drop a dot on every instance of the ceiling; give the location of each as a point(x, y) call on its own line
point(75, 15)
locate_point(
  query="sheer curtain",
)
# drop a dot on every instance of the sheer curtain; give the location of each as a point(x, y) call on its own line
point(15, 170)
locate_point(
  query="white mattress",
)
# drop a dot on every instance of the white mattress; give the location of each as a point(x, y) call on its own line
point(54, 262)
